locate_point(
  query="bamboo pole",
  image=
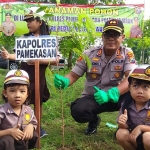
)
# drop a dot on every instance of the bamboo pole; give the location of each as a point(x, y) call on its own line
point(37, 99)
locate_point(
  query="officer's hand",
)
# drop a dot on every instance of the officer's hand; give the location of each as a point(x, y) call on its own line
point(61, 82)
point(111, 95)
point(100, 96)
point(4, 53)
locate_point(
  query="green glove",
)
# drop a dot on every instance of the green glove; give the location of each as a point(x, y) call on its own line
point(113, 94)
point(100, 96)
point(104, 97)
point(61, 82)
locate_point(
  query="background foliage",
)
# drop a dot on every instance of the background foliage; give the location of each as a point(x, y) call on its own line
point(8, 42)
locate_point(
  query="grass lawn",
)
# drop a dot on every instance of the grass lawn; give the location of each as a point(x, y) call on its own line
point(74, 138)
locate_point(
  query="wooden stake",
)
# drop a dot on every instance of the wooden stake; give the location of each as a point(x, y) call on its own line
point(37, 99)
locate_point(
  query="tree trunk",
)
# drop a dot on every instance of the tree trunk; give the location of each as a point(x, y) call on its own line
point(70, 60)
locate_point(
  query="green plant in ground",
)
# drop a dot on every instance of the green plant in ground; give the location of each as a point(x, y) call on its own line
point(8, 42)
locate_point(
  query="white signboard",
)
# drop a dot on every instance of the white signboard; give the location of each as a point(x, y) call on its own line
point(30, 48)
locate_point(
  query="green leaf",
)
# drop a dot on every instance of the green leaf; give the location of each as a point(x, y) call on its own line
point(91, 37)
point(89, 23)
point(85, 57)
point(88, 61)
point(47, 15)
point(77, 51)
point(41, 8)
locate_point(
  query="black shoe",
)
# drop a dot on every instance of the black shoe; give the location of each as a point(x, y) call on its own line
point(42, 132)
point(92, 126)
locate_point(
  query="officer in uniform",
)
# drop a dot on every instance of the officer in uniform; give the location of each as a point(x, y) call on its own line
point(104, 87)
point(8, 27)
point(135, 31)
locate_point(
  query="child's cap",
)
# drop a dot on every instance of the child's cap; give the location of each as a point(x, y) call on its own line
point(17, 76)
point(141, 72)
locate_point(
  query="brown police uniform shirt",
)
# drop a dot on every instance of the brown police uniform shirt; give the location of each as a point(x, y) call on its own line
point(8, 27)
point(141, 117)
point(104, 73)
point(9, 119)
point(135, 32)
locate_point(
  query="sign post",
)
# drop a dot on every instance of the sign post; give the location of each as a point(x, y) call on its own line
point(36, 49)
point(37, 100)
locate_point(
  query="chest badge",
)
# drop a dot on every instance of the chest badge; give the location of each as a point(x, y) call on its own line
point(118, 67)
point(94, 76)
point(117, 75)
point(27, 117)
point(95, 59)
point(94, 69)
point(148, 116)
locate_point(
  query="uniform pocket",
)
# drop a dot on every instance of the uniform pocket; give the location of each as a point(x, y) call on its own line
point(94, 74)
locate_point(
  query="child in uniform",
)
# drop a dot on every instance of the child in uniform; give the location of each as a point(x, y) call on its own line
point(17, 120)
point(134, 116)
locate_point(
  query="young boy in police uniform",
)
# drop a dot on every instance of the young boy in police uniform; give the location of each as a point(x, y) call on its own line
point(17, 120)
point(134, 116)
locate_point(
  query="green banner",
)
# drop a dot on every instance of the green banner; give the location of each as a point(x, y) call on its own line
point(130, 15)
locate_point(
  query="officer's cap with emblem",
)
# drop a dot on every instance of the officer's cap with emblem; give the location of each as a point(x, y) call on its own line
point(114, 24)
point(28, 13)
point(17, 76)
point(141, 72)
point(8, 14)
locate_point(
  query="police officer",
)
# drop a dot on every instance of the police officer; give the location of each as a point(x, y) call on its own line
point(135, 31)
point(8, 26)
point(103, 90)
